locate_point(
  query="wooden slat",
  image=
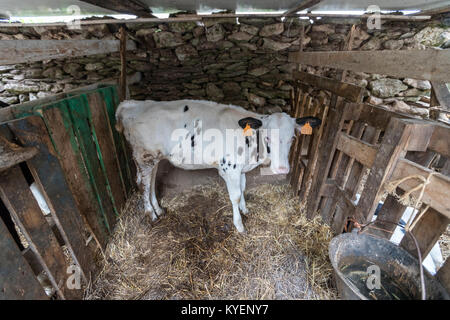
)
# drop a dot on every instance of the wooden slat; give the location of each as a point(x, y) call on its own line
point(442, 94)
point(391, 212)
point(17, 281)
point(82, 123)
point(345, 209)
point(335, 122)
point(310, 171)
point(12, 154)
point(362, 151)
point(376, 116)
point(107, 148)
point(343, 173)
point(348, 91)
point(436, 192)
point(111, 100)
point(440, 140)
point(443, 275)
point(429, 64)
point(297, 169)
point(392, 147)
point(60, 126)
point(427, 231)
point(48, 173)
point(19, 200)
point(123, 64)
point(26, 51)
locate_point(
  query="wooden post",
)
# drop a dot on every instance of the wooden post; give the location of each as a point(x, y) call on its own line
point(123, 64)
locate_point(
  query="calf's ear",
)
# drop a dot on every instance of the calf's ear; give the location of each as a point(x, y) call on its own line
point(252, 122)
point(313, 121)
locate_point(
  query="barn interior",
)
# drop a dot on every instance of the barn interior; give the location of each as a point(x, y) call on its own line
point(377, 76)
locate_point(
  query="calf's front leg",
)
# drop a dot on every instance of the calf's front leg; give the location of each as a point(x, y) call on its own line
point(242, 205)
point(233, 181)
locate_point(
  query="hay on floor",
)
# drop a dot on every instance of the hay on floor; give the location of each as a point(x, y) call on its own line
point(194, 251)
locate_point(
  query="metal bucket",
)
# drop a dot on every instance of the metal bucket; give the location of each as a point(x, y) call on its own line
point(360, 260)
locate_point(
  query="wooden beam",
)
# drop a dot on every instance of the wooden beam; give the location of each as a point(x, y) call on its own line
point(435, 11)
point(215, 16)
point(443, 275)
point(430, 65)
point(135, 7)
point(439, 141)
point(441, 94)
point(123, 64)
point(346, 90)
point(305, 4)
point(362, 151)
point(436, 192)
point(25, 51)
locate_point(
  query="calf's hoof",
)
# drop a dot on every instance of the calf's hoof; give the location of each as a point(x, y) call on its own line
point(244, 211)
point(160, 212)
point(152, 215)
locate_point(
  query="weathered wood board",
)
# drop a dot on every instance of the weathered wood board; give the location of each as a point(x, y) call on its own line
point(17, 281)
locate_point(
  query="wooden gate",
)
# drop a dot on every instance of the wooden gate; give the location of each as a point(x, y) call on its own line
point(82, 169)
point(363, 150)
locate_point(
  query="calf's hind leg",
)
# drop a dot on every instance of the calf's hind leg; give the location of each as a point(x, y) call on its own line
point(242, 205)
point(155, 204)
point(146, 177)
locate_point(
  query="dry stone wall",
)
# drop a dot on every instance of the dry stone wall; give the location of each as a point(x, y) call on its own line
point(241, 62)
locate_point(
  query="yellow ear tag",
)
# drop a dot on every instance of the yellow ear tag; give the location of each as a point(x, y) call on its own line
point(247, 130)
point(306, 129)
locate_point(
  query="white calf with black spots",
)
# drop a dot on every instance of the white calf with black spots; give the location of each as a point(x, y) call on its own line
point(195, 134)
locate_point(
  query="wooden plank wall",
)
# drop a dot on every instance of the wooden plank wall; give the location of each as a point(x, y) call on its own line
point(82, 169)
point(364, 148)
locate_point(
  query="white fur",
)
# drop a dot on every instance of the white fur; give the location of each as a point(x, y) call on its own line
point(149, 125)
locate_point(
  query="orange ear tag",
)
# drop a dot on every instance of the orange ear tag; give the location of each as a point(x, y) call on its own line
point(247, 130)
point(306, 129)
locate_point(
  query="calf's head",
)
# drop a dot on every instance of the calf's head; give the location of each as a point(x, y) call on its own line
point(278, 136)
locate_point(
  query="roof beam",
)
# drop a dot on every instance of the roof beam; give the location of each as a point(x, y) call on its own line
point(305, 4)
point(25, 51)
point(435, 11)
point(135, 7)
point(430, 64)
point(215, 16)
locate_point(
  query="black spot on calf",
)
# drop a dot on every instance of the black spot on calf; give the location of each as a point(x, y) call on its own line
point(186, 108)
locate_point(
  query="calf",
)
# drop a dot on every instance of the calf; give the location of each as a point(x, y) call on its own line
point(195, 134)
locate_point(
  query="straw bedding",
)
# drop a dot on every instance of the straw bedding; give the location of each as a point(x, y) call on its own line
point(194, 251)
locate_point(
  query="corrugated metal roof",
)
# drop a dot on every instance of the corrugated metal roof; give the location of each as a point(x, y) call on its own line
point(31, 8)
point(59, 7)
point(335, 5)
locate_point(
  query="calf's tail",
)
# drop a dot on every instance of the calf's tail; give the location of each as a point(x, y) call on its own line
point(119, 125)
